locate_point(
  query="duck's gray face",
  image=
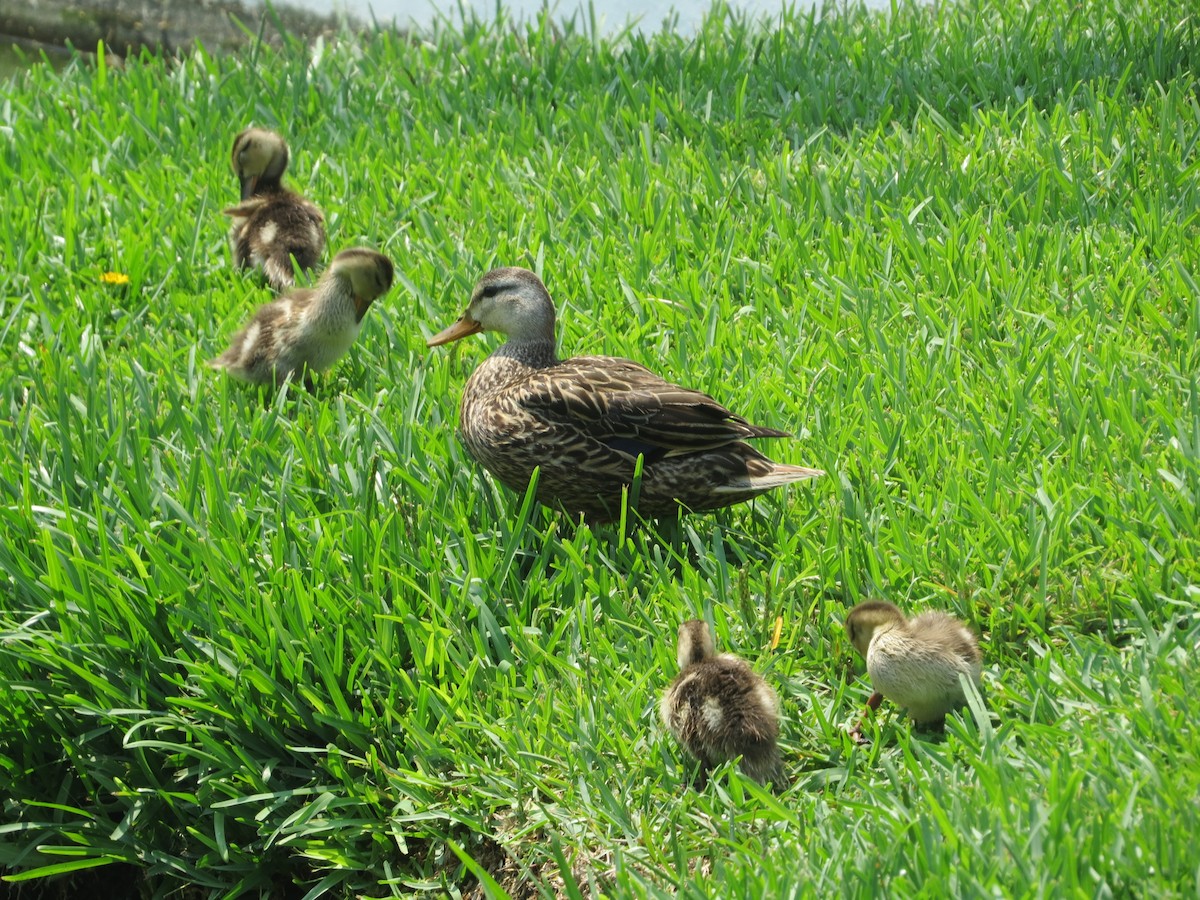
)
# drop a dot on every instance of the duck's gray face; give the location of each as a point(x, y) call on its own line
point(370, 275)
point(868, 616)
point(258, 156)
point(512, 301)
point(695, 643)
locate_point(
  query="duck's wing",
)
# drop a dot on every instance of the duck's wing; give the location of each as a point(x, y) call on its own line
point(256, 345)
point(626, 406)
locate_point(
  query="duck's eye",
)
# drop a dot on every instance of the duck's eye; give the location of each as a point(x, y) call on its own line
point(492, 290)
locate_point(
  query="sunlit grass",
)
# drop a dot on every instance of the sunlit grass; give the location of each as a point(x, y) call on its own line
point(302, 645)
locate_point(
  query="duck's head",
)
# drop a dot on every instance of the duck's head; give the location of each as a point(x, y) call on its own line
point(864, 619)
point(512, 301)
point(695, 643)
point(369, 274)
point(260, 158)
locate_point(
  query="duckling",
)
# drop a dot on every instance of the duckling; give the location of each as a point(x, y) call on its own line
point(915, 662)
point(272, 224)
point(718, 708)
point(308, 329)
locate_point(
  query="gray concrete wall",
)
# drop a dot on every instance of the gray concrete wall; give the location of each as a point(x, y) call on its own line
point(168, 25)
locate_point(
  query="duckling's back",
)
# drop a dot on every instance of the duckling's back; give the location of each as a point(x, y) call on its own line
point(719, 709)
point(270, 230)
point(951, 634)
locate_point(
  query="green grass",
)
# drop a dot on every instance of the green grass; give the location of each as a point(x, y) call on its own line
point(306, 648)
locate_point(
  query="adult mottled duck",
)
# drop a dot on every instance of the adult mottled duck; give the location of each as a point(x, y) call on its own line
point(583, 423)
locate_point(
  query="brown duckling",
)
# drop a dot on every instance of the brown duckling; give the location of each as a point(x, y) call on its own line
point(584, 422)
point(272, 225)
point(718, 708)
point(915, 662)
point(308, 329)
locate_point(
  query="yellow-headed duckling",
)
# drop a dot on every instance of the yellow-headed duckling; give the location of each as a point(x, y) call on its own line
point(915, 663)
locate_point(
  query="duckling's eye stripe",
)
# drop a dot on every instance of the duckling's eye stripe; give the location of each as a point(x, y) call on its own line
point(492, 290)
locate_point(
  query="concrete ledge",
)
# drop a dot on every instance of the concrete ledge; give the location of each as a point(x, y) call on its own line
point(167, 25)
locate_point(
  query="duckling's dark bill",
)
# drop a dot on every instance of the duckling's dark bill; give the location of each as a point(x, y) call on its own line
point(249, 183)
point(464, 327)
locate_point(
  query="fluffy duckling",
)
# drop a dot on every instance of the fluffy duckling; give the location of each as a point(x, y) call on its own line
point(308, 329)
point(719, 709)
point(271, 225)
point(915, 662)
point(584, 422)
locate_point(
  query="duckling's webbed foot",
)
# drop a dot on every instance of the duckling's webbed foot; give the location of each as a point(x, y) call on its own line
point(935, 726)
point(856, 733)
point(302, 375)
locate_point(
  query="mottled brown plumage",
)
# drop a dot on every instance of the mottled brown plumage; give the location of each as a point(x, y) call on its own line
point(583, 422)
point(719, 709)
point(915, 662)
point(272, 225)
point(308, 329)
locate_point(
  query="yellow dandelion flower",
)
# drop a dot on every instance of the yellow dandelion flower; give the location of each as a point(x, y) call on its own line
point(114, 278)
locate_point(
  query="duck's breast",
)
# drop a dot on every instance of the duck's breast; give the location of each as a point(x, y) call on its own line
point(319, 333)
point(916, 675)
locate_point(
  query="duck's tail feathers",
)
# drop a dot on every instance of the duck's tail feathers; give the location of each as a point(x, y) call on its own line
point(762, 431)
point(785, 474)
point(777, 476)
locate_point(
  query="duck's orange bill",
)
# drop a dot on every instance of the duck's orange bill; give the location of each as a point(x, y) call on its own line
point(460, 329)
